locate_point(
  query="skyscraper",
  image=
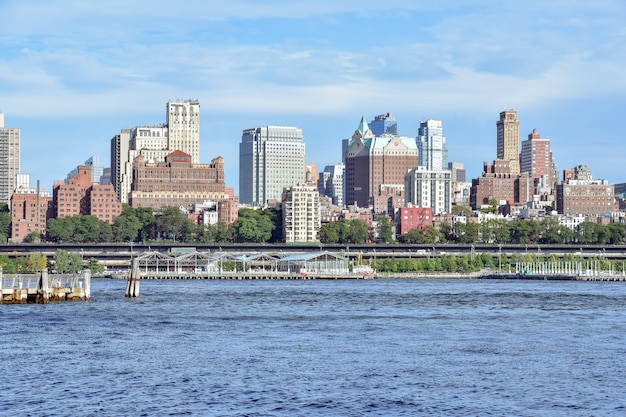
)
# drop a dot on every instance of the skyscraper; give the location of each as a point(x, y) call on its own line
point(384, 124)
point(183, 123)
point(330, 183)
point(271, 158)
point(536, 158)
point(9, 160)
point(375, 168)
point(431, 144)
point(508, 139)
point(154, 143)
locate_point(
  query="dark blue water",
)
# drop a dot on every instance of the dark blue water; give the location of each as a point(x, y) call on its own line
point(320, 348)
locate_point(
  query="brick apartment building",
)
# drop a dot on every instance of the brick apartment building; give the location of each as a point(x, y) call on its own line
point(80, 196)
point(29, 212)
point(409, 218)
point(499, 181)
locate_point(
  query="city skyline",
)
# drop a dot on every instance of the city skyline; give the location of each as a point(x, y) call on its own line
point(72, 78)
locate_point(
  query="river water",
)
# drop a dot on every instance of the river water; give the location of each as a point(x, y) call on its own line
point(320, 348)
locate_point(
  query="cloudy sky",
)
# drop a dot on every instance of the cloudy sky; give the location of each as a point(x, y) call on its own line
point(74, 73)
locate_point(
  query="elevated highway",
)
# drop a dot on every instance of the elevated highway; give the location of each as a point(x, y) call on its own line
point(115, 254)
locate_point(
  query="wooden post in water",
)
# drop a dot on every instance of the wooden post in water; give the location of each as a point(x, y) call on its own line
point(132, 285)
point(43, 289)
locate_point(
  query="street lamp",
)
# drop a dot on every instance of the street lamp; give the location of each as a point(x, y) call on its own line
point(499, 258)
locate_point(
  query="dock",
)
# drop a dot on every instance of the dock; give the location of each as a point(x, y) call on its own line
point(248, 275)
point(43, 287)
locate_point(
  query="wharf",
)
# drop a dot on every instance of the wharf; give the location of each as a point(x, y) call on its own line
point(42, 288)
point(248, 275)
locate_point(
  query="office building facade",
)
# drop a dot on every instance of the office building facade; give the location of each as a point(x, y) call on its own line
point(431, 144)
point(330, 183)
point(271, 158)
point(384, 124)
point(375, 168)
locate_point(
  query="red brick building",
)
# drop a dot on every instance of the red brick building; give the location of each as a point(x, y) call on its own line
point(29, 212)
point(376, 165)
point(409, 218)
point(501, 183)
point(80, 196)
point(177, 182)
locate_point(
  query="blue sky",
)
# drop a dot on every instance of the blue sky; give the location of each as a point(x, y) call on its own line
point(74, 73)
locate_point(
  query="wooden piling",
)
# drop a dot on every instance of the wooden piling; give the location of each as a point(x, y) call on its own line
point(132, 285)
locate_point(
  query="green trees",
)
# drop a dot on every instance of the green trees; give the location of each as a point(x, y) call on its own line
point(344, 231)
point(384, 230)
point(78, 229)
point(171, 223)
point(67, 262)
point(253, 226)
point(5, 223)
point(126, 226)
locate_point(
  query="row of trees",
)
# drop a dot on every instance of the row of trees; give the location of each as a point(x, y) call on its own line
point(259, 226)
point(140, 225)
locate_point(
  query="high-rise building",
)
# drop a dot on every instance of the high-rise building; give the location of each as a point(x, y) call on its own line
point(97, 170)
point(330, 183)
point(375, 168)
point(9, 160)
point(429, 188)
point(431, 144)
point(536, 160)
point(271, 158)
point(458, 171)
point(508, 139)
point(183, 123)
point(121, 165)
point(301, 214)
point(384, 124)
point(181, 132)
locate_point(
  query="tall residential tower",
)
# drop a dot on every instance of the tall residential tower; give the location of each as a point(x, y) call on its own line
point(9, 160)
point(508, 139)
point(431, 144)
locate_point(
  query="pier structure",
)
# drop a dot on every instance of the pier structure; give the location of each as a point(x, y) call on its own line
point(44, 287)
point(252, 266)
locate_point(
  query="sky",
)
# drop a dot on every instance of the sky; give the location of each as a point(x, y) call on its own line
point(74, 73)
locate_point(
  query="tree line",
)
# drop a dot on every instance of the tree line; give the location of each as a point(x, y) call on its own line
point(264, 226)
